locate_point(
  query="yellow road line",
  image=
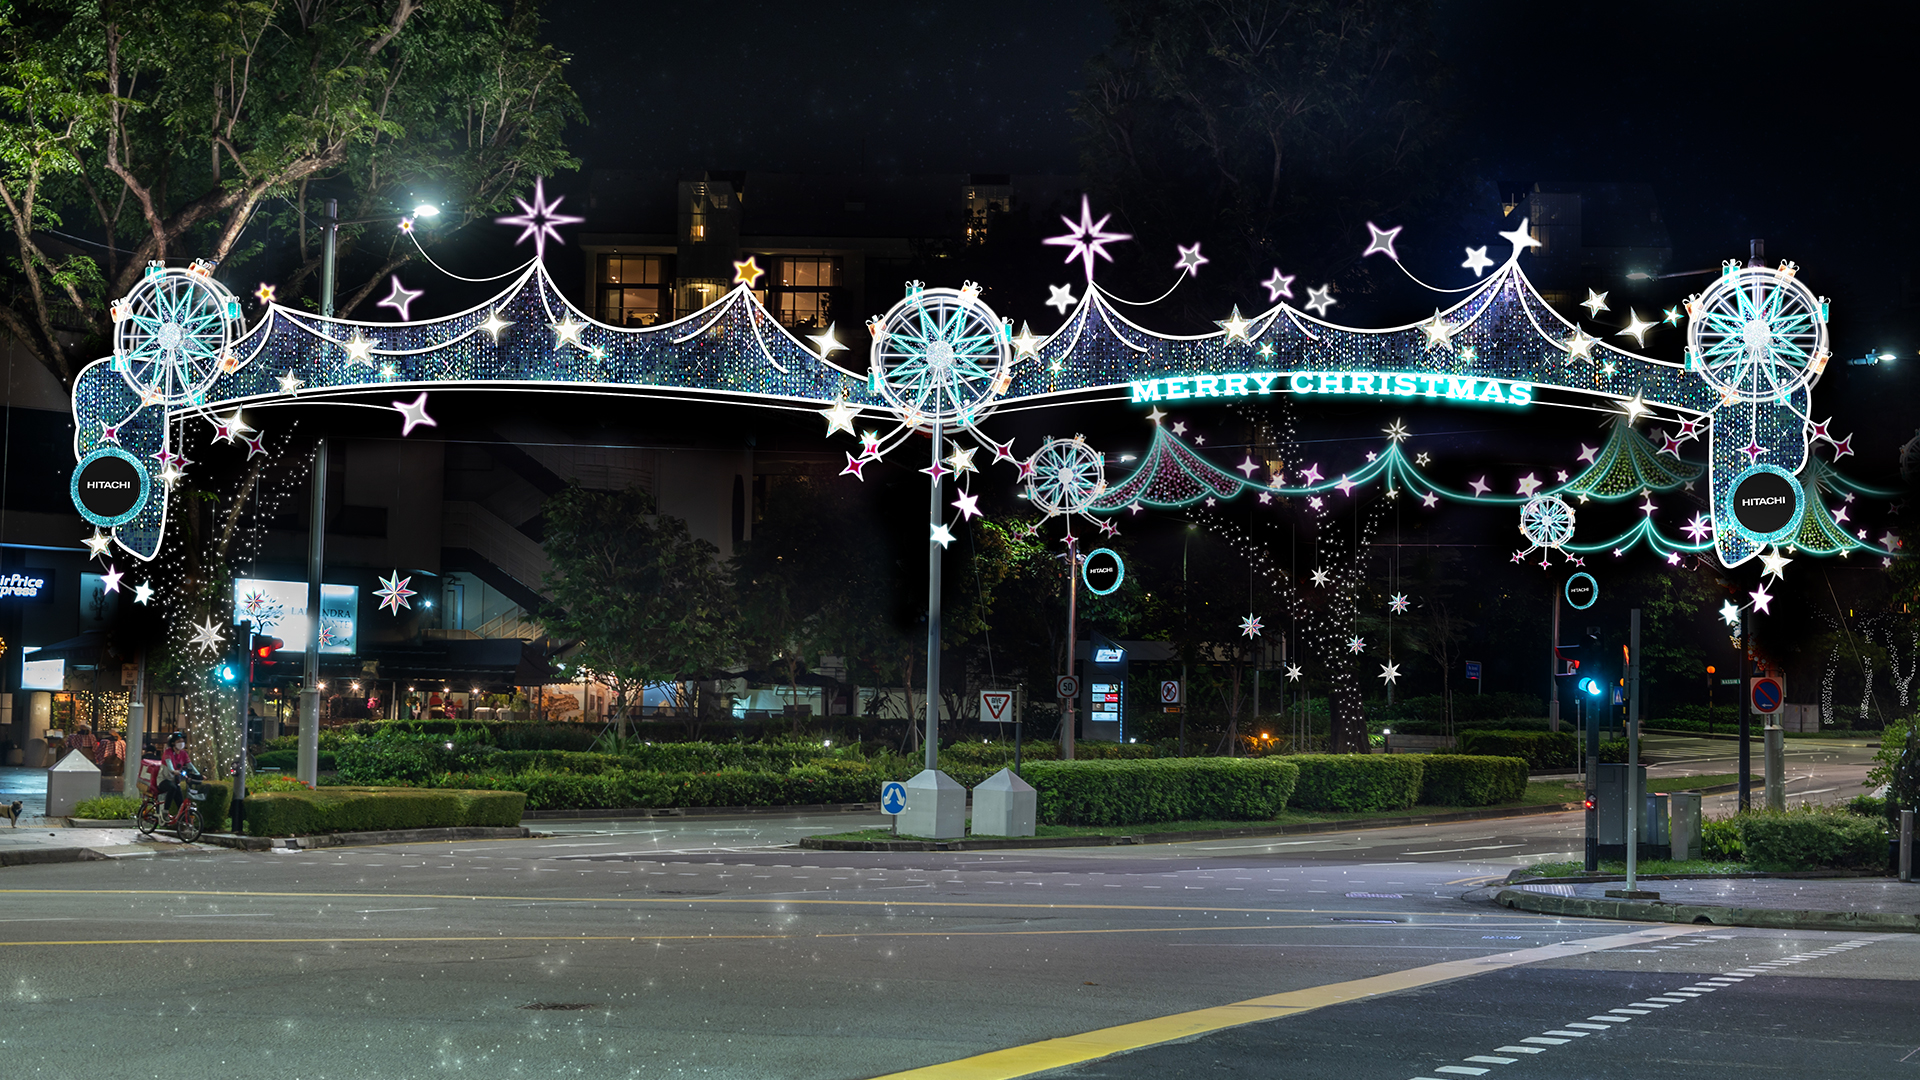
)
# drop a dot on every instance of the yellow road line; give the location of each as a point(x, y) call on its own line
point(689, 901)
point(1049, 1054)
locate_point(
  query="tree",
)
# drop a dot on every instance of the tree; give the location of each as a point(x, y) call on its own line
point(1263, 126)
point(180, 128)
point(646, 601)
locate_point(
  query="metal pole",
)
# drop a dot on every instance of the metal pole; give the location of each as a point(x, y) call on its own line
point(1634, 795)
point(1073, 646)
point(1906, 845)
point(307, 759)
point(935, 519)
point(1590, 752)
point(1553, 669)
point(332, 230)
point(136, 729)
point(1746, 722)
point(245, 633)
point(1184, 539)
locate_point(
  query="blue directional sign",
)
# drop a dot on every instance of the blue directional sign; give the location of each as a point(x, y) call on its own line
point(893, 797)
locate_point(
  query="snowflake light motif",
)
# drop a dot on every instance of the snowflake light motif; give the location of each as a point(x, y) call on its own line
point(1399, 604)
point(538, 219)
point(393, 592)
point(1356, 645)
point(1086, 239)
point(1250, 626)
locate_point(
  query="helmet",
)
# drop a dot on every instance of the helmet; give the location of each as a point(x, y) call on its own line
point(176, 737)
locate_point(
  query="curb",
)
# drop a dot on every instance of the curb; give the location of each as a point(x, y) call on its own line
point(1115, 840)
point(359, 839)
point(1660, 911)
point(49, 856)
point(635, 813)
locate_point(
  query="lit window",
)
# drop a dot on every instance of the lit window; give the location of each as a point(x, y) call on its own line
point(634, 290)
point(805, 285)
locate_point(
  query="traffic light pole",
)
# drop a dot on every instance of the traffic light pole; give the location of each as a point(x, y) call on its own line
point(1634, 795)
point(1746, 721)
point(307, 759)
point(244, 679)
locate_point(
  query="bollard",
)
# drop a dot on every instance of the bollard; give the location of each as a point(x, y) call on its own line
point(1776, 764)
point(1906, 845)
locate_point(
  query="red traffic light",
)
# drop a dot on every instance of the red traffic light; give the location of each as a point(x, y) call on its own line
point(1587, 804)
point(264, 647)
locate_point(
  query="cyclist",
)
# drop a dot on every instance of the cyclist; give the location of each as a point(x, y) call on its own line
point(174, 764)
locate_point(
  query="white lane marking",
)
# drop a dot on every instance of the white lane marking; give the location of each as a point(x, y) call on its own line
point(236, 915)
point(1519, 1050)
point(1544, 1041)
point(1451, 851)
point(1611, 1019)
point(50, 918)
point(1490, 1059)
point(1575, 1034)
point(1462, 1070)
point(1592, 1027)
point(374, 910)
point(1629, 1012)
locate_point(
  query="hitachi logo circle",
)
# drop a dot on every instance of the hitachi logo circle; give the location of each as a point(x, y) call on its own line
point(109, 487)
point(1765, 503)
point(1770, 500)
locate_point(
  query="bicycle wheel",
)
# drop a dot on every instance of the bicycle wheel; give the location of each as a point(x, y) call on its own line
point(190, 824)
point(148, 817)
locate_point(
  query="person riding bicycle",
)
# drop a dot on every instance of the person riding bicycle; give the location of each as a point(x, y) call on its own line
point(174, 765)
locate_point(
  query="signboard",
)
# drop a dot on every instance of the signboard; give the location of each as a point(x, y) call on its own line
point(1105, 702)
point(893, 797)
point(1170, 692)
point(1766, 503)
point(109, 487)
point(30, 585)
point(996, 706)
point(1066, 686)
point(1103, 571)
point(1109, 656)
point(279, 609)
point(1768, 695)
point(1582, 590)
point(1409, 384)
point(1473, 669)
point(43, 675)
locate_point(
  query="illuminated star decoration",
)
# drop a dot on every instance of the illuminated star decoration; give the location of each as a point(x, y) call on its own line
point(1087, 239)
point(400, 298)
point(969, 506)
point(1529, 484)
point(493, 324)
point(1520, 238)
point(1319, 577)
point(826, 342)
point(255, 446)
point(1636, 328)
point(1320, 299)
point(110, 581)
point(747, 272)
point(1698, 529)
point(567, 331)
point(1190, 260)
point(414, 413)
point(1235, 326)
point(1399, 604)
point(1595, 303)
point(1775, 564)
point(1026, 342)
point(1062, 298)
point(840, 416)
point(206, 635)
point(290, 383)
point(1761, 598)
point(1390, 672)
point(538, 219)
point(98, 544)
point(1671, 316)
point(142, 593)
point(1278, 286)
point(1729, 613)
point(360, 348)
point(941, 535)
point(393, 592)
point(1294, 673)
point(1250, 626)
point(1480, 486)
point(1356, 645)
point(854, 465)
point(1477, 261)
point(1381, 240)
point(264, 293)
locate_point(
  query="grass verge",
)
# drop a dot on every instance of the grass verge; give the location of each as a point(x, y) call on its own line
point(1646, 867)
point(1537, 794)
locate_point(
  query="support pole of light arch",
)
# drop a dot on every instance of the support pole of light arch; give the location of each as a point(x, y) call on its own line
point(934, 550)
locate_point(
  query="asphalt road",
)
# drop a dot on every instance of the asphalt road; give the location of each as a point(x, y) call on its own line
point(712, 948)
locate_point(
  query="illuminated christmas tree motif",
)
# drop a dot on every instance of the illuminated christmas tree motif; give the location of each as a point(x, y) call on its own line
point(1170, 473)
point(1628, 464)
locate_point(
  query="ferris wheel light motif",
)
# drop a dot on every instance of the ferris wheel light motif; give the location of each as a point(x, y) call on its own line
point(172, 332)
point(1546, 521)
point(941, 356)
point(1757, 334)
point(1065, 476)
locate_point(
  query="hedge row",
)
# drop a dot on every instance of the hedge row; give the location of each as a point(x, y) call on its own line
point(361, 809)
point(1539, 749)
point(1824, 839)
point(1465, 780)
point(1349, 782)
point(1173, 789)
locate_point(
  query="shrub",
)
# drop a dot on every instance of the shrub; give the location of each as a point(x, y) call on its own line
point(1867, 806)
point(289, 760)
point(107, 808)
point(1357, 781)
point(1469, 780)
point(1539, 749)
point(1813, 839)
point(1614, 751)
point(216, 810)
point(1179, 789)
point(358, 809)
point(260, 784)
point(1720, 841)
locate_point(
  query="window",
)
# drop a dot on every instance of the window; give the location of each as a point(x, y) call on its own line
point(806, 284)
point(634, 290)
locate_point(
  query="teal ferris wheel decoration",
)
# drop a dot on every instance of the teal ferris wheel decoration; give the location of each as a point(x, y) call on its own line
point(940, 357)
point(1757, 334)
point(172, 334)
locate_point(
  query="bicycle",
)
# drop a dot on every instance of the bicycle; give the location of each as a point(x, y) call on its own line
point(184, 820)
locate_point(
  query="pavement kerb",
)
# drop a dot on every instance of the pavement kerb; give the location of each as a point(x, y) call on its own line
point(1661, 911)
point(46, 856)
point(359, 839)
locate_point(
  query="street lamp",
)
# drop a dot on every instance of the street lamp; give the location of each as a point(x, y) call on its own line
point(331, 223)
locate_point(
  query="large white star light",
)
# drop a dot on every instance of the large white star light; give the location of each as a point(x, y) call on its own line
point(1086, 239)
point(1390, 672)
point(1294, 672)
point(1061, 298)
point(1521, 238)
point(1381, 240)
point(538, 219)
point(400, 298)
point(1320, 299)
point(1190, 260)
point(414, 414)
point(206, 635)
point(1477, 260)
point(826, 342)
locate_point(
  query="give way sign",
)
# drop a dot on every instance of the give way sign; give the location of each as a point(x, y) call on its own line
point(996, 706)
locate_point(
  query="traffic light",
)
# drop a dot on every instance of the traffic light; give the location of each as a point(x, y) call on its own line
point(264, 652)
point(1591, 687)
point(227, 672)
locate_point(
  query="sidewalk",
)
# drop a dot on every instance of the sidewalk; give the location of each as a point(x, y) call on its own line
point(37, 843)
point(1793, 903)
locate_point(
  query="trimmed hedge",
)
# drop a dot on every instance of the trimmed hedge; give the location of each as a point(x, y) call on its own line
point(1539, 749)
point(1821, 839)
point(365, 809)
point(1357, 781)
point(289, 760)
point(1467, 780)
point(1177, 789)
point(216, 811)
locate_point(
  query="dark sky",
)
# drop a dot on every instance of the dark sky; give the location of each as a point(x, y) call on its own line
point(1785, 122)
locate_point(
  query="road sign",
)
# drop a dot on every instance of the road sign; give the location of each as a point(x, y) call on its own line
point(1767, 695)
point(1473, 669)
point(893, 797)
point(1066, 686)
point(1582, 590)
point(1170, 692)
point(996, 706)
